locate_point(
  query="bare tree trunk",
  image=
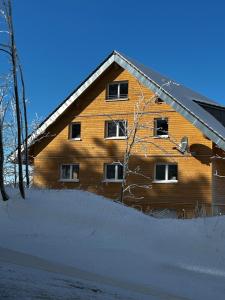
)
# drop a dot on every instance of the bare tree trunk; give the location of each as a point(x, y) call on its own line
point(26, 127)
point(5, 197)
point(16, 94)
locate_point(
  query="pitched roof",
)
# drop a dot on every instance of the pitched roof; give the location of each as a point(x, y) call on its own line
point(183, 100)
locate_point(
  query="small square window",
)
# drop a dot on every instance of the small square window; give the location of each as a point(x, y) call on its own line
point(69, 172)
point(161, 127)
point(75, 131)
point(166, 173)
point(113, 172)
point(116, 129)
point(117, 90)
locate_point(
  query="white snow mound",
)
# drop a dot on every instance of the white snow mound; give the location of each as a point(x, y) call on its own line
point(76, 229)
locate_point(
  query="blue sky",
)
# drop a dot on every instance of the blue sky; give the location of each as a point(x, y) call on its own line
point(61, 42)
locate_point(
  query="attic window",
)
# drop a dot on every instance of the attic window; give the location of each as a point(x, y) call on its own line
point(117, 90)
point(74, 131)
point(116, 129)
point(161, 127)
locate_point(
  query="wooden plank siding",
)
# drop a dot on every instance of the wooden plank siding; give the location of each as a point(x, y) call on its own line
point(93, 150)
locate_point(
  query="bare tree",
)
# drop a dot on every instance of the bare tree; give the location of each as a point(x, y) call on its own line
point(9, 48)
point(3, 109)
point(139, 134)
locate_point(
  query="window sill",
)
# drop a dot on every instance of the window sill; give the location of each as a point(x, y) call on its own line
point(116, 138)
point(161, 137)
point(112, 181)
point(69, 180)
point(165, 181)
point(116, 99)
point(76, 139)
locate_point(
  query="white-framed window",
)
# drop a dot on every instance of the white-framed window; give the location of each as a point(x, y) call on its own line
point(117, 90)
point(75, 131)
point(161, 127)
point(69, 172)
point(113, 172)
point(166, 173)
point(116, 129)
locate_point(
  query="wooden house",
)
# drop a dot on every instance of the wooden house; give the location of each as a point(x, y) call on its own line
point(81, 144)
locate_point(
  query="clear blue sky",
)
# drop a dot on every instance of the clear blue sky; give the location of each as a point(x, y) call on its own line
point(61, 42)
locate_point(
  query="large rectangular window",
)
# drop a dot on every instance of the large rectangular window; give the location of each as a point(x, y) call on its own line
point(113, 172)
point(166, 173)
point(161, 127)
point(117, 90)
point(69, 172)
point(116, 129)
point(75, 131)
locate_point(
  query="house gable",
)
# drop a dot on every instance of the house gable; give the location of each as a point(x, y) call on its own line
point(184, 105)
point(93, 151)
point(92, 110)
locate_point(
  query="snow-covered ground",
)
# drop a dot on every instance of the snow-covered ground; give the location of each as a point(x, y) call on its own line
point(76, 245)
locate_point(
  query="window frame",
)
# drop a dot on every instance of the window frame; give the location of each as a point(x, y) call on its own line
point(117, 136)
point(116, 172)
point(70, 131)
point(118, 98)
point(155, 128)
point(166, 180)
point(71, 170)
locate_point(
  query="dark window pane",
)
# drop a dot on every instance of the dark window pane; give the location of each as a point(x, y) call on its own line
point(160, 172)
point(75, 130)
point(110, 171)
point(113, 91)
point(120, 172)
point(111, 129)
point(75, 171)
point(123, 90)
point(65, 172)
point(158, 100)
point(172, 172)
point(161, 127)
point(122, 128)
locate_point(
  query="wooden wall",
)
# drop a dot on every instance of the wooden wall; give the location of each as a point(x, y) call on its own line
point(92, 110)
point(218, 181)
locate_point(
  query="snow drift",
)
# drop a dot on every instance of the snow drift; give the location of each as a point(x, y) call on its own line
point(76, 229)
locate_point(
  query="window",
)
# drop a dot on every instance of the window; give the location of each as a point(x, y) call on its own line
point(166, 173)
point(113, 172)
point(69, 172)
point(159, 101)
point(161, 127)
point(74, 131)
point(116, 129)
point(117, 90)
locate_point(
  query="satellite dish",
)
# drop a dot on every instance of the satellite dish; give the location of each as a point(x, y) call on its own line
point(183, 146)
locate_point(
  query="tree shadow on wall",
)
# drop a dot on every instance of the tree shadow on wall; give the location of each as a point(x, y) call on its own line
point(186, 194)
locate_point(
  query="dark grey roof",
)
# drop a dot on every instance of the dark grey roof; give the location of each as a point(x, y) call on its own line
point(175, 88)
point(190, 101)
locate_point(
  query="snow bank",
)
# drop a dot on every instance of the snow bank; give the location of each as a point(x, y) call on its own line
point(91, 233)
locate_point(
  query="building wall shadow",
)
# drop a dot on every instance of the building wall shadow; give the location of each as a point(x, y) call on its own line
point(189, 192)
